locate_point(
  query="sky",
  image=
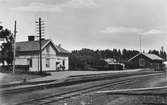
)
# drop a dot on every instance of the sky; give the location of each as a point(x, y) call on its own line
point(94, 24)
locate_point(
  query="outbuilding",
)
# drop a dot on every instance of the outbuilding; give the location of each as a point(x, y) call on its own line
point(145, 60)
point(114, 65)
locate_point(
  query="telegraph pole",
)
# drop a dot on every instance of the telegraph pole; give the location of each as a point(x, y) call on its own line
point(40, 46)
point(140, 43)
point(14, 47)
point(40, 32)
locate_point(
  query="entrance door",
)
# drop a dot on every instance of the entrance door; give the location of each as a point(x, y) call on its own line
point(157, 66)
point(141, 62)
point(57, 67)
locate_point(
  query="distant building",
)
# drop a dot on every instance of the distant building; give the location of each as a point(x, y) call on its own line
point(143, 60)
point(114, 65)
point(110, 60)
point(165, 65)
point(53, 57)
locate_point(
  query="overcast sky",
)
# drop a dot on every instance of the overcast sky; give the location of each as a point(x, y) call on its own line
point(95, 24)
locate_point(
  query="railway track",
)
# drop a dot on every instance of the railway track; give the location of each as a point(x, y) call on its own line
point(77, 92)
point(21, 88)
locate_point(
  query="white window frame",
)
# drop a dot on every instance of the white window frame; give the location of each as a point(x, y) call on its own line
point(47, 62)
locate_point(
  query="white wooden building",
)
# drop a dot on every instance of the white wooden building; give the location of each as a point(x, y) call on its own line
point(54, 57)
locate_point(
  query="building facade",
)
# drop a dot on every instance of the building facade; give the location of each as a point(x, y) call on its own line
point(54, 58)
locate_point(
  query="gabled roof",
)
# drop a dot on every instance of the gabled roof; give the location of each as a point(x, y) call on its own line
point(31, 46)
point(150, 56)
point(60, 49)
point(153, 56)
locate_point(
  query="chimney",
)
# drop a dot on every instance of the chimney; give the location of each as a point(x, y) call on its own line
point(31, 38)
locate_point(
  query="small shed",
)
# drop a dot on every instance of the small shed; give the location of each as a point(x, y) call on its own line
point(114, 65)
point(144, 60)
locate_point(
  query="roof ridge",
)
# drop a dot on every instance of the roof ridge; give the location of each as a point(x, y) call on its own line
point(150, 56)
point(34, 46)
point(34, 41)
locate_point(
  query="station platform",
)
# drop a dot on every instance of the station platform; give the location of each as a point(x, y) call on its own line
point(66, 78)
point(65, 74)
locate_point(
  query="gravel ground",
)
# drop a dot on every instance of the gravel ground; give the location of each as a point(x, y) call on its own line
point(97, 99)
point(65, 74)
point(104, 99)
point(111, 100)
point(10, 77)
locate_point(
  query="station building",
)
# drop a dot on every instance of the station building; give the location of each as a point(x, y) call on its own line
point(54, 57)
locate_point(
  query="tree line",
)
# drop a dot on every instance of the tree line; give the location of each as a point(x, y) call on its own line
point(88, 58)
point(6, 48)
point(79, 59)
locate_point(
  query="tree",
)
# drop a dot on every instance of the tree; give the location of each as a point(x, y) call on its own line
point(162, 53)
point(156, 52)
point(7, 46)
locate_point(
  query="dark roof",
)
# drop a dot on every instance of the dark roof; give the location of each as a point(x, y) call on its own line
point(30, 46)
point(153, 56)
point(150, 56)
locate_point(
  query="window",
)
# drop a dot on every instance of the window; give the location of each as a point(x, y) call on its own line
point(29, 60)
point(141, 62)
point(47, 49)
point(47, 62)
point(157, 66)
point(63, 63)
